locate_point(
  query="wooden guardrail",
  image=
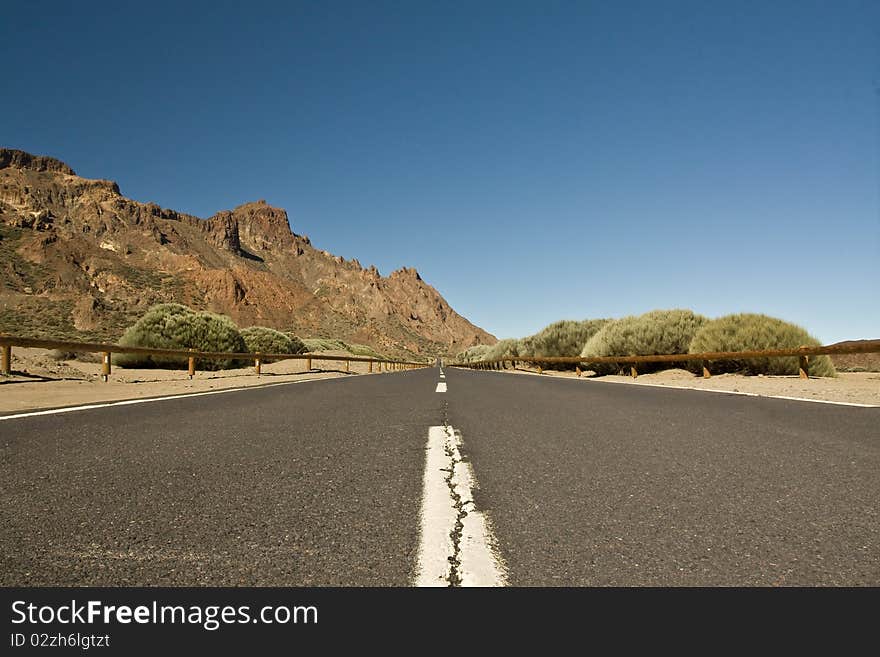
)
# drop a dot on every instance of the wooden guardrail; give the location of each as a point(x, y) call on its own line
point(7, 342)
point(803, 354)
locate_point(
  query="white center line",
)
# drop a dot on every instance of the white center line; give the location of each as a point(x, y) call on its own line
point(456, 543)
point(441, 387)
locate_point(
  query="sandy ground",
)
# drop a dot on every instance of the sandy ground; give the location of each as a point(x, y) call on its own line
point(40, 382)
point(851, 387)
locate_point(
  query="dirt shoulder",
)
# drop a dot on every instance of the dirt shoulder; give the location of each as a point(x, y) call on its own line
point(39, 382)
point(849, 387)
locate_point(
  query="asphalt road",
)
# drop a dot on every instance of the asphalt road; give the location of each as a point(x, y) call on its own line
point(305, 484)
point(595, 484)
point(320, 483)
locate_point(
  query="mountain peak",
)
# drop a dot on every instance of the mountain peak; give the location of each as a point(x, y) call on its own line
point(12, 157)
point(407, 272)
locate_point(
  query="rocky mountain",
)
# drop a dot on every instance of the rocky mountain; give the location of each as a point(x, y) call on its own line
point(79, 260)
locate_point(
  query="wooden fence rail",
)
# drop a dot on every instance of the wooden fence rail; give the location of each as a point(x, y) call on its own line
point(7, 342)
point(803, 354)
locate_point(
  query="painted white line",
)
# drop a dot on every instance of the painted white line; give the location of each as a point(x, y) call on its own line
point(442, 376)
point(447, 500)
point(129, 402)
point(438, 515)
point(441, 387)
point(716, 390)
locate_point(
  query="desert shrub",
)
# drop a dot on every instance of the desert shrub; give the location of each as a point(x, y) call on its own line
point(174, 326)
point(473, 354)
point(503, 349)
point(330, 344)
point(656, 332)
point(749, 331)
point(363, 350)
point(323, 344)
point(269, 341)
point(563, 338)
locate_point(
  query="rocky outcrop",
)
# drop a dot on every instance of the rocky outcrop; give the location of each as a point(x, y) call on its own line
point(10, 157)
point(262, 227)
point(221, 230)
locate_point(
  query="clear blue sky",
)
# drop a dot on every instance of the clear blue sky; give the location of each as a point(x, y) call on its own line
point(533, 160)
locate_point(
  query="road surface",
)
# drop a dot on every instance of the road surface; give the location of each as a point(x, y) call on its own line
point(544, 482)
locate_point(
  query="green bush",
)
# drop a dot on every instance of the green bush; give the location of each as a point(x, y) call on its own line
point(473, 354)
point(748, 331)
point(313, 345)
point(269, 341)
point(174, 326)
point(503, 349)
point(323, 344)
point(563, 338)
point(362, 350)
point(656, 332)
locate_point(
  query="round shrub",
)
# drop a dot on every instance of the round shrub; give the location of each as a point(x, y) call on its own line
point(473, 354)
point(748, 332)
point(269, 341)
point(503, 349)
point(174, 326)
point(564, 338)
point(655, 332)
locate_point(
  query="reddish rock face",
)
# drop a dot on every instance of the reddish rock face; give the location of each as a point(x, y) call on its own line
point(76, 249)
point(262, 227)
point(221, 230)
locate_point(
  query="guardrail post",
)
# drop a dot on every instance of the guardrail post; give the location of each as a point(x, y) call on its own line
point(309, 364)
point(257, 364)
point(348, 366)
point(105, 366)
point(633, 371)
point(371, 366)
point(540, 370)
point(577, 370)
point(6, 364)
point(706, 372)
point(804, 366)
point(192, 365)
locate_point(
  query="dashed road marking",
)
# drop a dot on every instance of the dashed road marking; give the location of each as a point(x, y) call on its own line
point(441, 387)
point(456, 544)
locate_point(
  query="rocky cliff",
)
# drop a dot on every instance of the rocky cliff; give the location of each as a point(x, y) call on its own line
point(80, 260)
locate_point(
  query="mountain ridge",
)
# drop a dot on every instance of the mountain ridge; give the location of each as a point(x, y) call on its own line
point(90, 260)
